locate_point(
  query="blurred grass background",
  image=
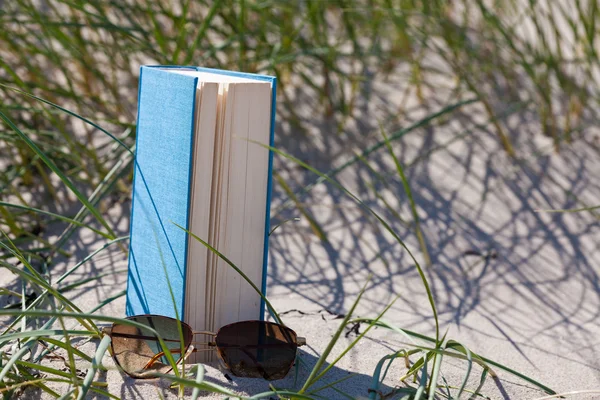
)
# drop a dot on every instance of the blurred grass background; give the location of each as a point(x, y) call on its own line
point(85, 56)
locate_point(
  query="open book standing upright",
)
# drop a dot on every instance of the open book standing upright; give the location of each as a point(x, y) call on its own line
point(200, 165)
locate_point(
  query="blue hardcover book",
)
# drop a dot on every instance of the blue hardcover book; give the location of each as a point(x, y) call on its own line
point(198, 165)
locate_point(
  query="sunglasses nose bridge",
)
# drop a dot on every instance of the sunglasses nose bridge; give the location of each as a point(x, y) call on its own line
point(209, 333)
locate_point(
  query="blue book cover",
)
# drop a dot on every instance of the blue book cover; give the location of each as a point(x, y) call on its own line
point(162, 187)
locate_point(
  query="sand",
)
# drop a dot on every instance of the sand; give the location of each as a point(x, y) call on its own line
point(515, 285)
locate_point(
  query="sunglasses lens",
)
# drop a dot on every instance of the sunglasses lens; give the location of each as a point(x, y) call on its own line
point(138, 351)
point(257, 349)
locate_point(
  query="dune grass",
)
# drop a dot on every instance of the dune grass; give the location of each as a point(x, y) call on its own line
point(91, 52)
point(68, 132)
point(64, 311)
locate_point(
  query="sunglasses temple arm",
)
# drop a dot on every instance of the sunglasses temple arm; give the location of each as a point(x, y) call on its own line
point(158, 356)
point(191, 350)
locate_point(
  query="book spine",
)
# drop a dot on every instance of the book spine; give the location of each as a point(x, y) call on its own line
point(161, 193)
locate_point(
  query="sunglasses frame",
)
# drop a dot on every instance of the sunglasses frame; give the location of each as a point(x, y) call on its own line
point(189, 348)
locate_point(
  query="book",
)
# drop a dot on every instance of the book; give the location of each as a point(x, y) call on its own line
point(199, 164)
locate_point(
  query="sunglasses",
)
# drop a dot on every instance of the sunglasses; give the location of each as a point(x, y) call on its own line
point(249, 349)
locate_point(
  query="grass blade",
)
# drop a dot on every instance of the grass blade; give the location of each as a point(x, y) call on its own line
point(381, 221)
point(423, 381)
point(57, 216)
point(96, 363)
point(355, 341)
point(199, 379)
point(239, 271)
point(59, 173)
point(411, 200)
point(313, 377)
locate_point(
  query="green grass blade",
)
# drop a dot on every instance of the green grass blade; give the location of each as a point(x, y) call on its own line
point(331, 384)
point(41, 297)
point(202, 30)
point(57, 216)
point(423, 381)
point(66, 181)
point(313, 377)
point(71, 113)
point(96, 363)
point(45, 332)
point(68, 395)
point(107, 301)
point(45, 368)
point(173, 301)
point(75, 285)
point(204, 385)
point(381, 221)
point(356, 340)
point(435, 372)
point(239, 271)
point(411, 200)
point(58, 343)
point(199, 379)
point(571, 393)
point(418, 365)
point(483, 361)
point(101, 190)
point(469, 366)
point(282, 394)
point(484, 374)
point(13, 360)
point(346, 395)
point(295, 219)
point(570, 210)
point(104, 393)
point(43, 284)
